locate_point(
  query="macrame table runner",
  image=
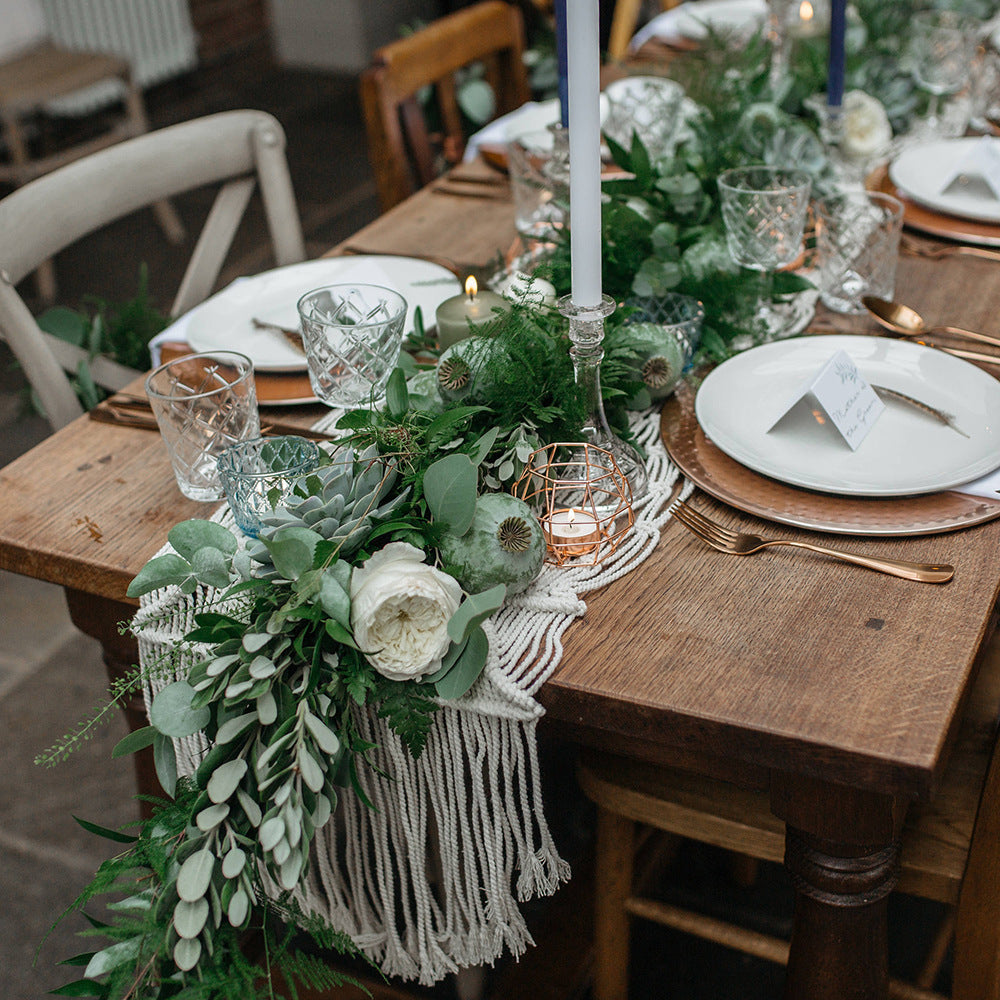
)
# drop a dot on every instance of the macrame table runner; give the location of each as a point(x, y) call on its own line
point(429, 880)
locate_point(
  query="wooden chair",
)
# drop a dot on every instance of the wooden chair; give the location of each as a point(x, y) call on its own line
point(950, 851)
point(625, 22)
point(44, 72)
point(404, 154)
point(235, 149)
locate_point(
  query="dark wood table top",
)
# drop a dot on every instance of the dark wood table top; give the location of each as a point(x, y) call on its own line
point(783, 662)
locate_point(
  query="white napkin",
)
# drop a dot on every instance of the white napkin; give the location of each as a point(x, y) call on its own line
point(534, 116)
point(244, 295)
point(686, 21)
point(979, 170)
point(987, 486)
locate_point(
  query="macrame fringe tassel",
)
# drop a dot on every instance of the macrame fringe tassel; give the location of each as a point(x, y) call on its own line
point(435, 864)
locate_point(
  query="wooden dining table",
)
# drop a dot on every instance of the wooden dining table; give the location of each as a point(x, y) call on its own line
point(838, 689)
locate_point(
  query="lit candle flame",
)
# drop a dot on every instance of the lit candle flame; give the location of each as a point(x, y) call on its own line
point(572, 516)
point(806, 11)
point(471, 286)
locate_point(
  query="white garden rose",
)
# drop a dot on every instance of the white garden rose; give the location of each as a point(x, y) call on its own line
point(400, 608)
point(867, 131)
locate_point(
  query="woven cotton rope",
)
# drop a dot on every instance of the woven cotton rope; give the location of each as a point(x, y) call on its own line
point(430, 880)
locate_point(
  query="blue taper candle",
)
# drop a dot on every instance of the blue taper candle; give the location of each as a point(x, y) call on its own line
point(835, 70)
point(561, 63)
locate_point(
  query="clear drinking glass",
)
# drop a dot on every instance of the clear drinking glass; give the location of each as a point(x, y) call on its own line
point(539, 178)
point(203, 403)
point(352, 335)
point(942, 48)
point(764, 210)
point(646, 106)
point(857, 245)
point(258, 475)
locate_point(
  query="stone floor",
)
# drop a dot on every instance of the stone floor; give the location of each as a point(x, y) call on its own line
point(51, 677)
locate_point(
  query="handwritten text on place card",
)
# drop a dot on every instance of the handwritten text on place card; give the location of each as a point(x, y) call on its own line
point(846, 398)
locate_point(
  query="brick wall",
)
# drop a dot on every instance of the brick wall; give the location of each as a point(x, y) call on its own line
point(226, 26)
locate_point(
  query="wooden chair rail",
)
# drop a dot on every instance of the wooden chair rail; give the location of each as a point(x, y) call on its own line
point(404, 153)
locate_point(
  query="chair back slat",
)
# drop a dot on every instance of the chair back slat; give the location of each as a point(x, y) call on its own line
point(237, 149)
point(400, 148)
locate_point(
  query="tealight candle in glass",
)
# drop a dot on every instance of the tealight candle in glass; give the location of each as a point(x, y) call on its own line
point(459, 316)
point(571, 531)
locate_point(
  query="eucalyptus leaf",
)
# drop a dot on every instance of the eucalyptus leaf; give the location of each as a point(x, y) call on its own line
point(211, 816)
point(291, 550)
point(271, 832)
point(474, 610)
point(250, 808)
point(326, 739)
point(224, 780)
point(290, 871)
point(267, 708)
point(239, 908)
point(335, 600)
point(233, 862)
point(232, 728)
point(467, 667)
point(312, 773)
point(137, 740)
point(211, 567)
point(450, 490)
point(190, 918)
point(110, 958)
point(195, 874)
point(165, 762)
point(484, 445)
point(161, 571)
point(397, 399)
point(102, 831)
point(171, 712)
point(187, 951)
point(190, 536)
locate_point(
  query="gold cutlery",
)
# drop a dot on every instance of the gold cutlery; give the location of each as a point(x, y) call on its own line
point(740, 543)
point(907, 322)
point(128, 410)
point(482, 191)
point(937, 251)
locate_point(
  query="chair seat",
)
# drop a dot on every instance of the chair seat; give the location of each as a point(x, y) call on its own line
point(46, 71)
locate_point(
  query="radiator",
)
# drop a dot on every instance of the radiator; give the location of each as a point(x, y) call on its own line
point(156, 36)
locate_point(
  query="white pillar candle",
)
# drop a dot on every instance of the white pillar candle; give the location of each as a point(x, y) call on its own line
point(584, 60)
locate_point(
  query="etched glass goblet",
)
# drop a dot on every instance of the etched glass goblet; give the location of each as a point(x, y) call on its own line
point(942, 48)
point(764, 210)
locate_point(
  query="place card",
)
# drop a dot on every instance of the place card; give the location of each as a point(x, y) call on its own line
point(978, 172)
point(837, 393)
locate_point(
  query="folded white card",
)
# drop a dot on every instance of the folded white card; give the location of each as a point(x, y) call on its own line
point(978, 172)
point(842, 396)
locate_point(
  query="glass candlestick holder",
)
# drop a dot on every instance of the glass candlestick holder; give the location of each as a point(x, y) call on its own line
point(586, 333)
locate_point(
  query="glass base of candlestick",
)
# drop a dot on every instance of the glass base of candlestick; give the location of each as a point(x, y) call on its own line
point(586, 332)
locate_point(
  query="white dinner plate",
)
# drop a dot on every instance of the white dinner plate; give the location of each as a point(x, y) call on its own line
point(694, 19)
point(921, 172)
point(905, 452)
point(225, 320)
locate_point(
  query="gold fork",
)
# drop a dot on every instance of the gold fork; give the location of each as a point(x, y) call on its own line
point(934, 251)
point(740, 543)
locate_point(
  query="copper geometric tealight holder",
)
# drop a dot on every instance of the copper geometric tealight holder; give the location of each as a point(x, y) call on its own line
point(582, 500)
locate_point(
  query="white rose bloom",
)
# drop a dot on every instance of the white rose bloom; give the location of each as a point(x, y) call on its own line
point(866, 126)
point(400, 608)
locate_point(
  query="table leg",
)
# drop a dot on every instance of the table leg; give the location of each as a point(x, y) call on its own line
point(99, 618)
point(842, 853)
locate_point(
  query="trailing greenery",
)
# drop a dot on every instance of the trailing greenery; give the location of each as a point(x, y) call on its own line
point(121, 331)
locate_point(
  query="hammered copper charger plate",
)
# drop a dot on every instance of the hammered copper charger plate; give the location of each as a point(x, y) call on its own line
point(726, 480)
point(951, 227)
